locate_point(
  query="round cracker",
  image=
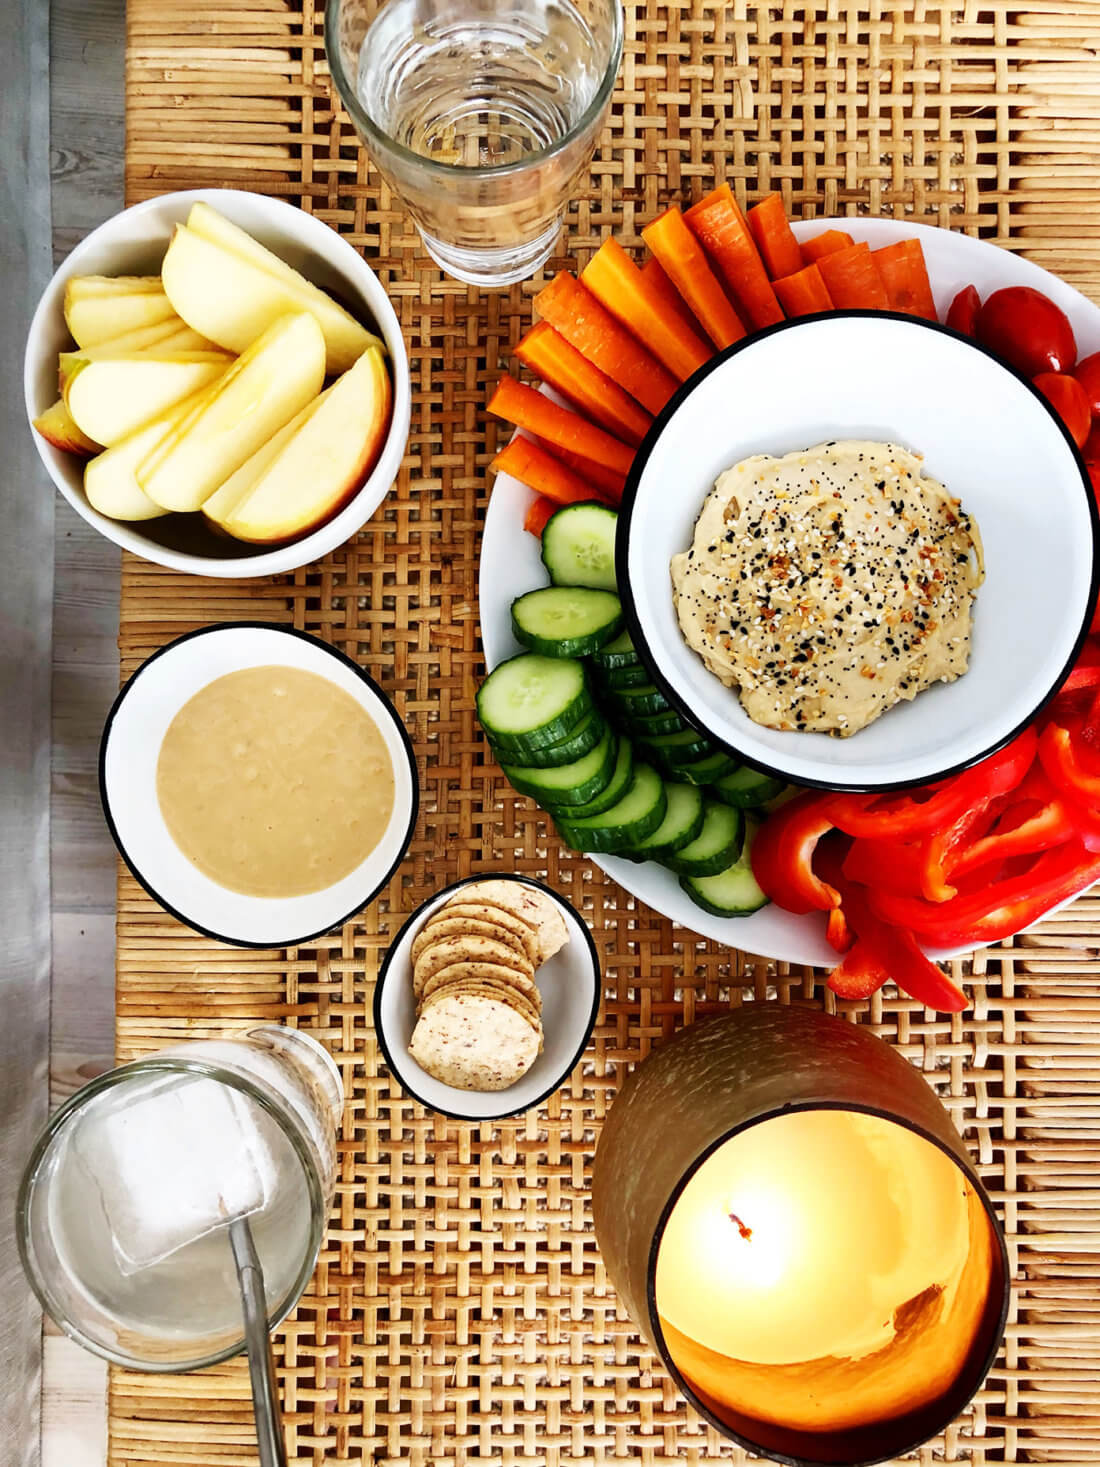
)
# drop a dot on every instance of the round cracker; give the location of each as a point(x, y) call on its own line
point(535, 907)
point(443, 951)
point(440, 925)
point(474, 972)
point(456, 978)
point(499, 916)
point(474, 1043)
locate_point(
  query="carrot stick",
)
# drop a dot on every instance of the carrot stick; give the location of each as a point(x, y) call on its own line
point(905, 278)
point(852, 279)
point(532, 465)
point(824, 244)
point(540, 512)
point(719, 225)
point(803, 293)
point(578, 316)
point(671, 299)
point(614, 279)
point(774, 238)
point(573, 375)
point(682, 261)
point(609, 482)
point(522, 405)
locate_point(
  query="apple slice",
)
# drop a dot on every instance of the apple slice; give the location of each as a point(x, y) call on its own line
point(233, 300)
point(110, 480)
point(111, 398)
point(166, 337)
point(315, 471)
point(274, 379)
point(57, 427)
point(218, 230)
point(93, 319)
point(82, 286)
point(228, 495)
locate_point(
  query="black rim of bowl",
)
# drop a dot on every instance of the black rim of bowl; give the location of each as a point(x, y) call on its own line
point(364, 676)
point(384, 973)
point(633, 621)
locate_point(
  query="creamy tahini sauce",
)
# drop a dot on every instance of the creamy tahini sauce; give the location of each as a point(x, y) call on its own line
point(829, 584)
point(275, 782)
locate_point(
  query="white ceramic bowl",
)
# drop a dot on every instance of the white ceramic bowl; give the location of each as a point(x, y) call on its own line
point(128, 757)
point(985, 433)
point(133, 243)
point(570, 985)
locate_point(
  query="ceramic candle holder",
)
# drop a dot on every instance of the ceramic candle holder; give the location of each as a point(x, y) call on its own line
point(854, 1218)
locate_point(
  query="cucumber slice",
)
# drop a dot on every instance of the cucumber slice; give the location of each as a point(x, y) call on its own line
point(716, 846)
point(682, 823)
point(617, 653)
point(578, 546)
point(733, 892)
point(585, 736)
point(706, 770)
point(531, 701)
point(635, 816)
point(640, 702)
point(646, 725)
point(629, 675)
point(567, 784)
point(747, 788)
point(622, 777)
point(566, 621)
point(673, 750)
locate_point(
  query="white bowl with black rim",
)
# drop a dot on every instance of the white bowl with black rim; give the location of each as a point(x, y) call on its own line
point(128, 756)
point(570, 984)
point(134, 242)
point(985, 432)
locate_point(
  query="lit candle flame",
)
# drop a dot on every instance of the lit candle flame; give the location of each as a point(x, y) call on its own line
point(745, 1231)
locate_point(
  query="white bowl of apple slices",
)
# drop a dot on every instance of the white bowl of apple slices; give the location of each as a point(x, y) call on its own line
point(218, 383)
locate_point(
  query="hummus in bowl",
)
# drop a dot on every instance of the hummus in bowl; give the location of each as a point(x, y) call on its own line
point(829, 584)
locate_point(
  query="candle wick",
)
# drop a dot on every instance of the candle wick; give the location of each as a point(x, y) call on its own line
point(745, 1232)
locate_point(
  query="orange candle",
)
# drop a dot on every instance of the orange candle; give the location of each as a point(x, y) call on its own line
point(823, 1269)
point(784, 1207)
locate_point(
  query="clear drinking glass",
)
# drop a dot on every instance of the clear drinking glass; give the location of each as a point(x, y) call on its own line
point(105, 1200)
point(480, 114)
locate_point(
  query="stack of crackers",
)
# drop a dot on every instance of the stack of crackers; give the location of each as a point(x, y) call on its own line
point(479, 1010)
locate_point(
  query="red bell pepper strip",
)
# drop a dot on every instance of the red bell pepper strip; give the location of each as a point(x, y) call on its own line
point(1085, 672)
point(905, 818)
point(783, 851)
point(892, 864)
point(1060, 758)
point(1033, 818)
point(859, 973)
point(998, 910)
point(880, 948)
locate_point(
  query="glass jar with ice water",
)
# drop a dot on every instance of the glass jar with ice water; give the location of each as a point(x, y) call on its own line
point(480, 114)
point(127, 1200)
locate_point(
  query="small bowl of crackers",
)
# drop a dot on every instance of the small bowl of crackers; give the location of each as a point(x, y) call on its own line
point(486, 1000)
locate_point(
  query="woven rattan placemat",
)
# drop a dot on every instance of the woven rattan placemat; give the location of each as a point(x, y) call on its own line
point(460, 1310)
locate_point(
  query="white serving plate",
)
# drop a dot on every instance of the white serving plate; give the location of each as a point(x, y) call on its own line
point(570, 985)
point(133, 243)
point(128, 756)
point(510, 565)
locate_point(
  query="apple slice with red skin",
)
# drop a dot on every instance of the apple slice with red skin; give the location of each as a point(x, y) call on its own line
point(317, 468)
point(57, 427)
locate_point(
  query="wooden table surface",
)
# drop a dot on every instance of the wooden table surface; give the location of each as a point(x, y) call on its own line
point(87, 39)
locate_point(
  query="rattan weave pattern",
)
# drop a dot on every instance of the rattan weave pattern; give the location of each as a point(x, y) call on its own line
point(460, 1311)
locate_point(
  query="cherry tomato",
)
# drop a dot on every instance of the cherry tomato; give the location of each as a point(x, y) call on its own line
point(1087, 373)
point(1067, 397)
point(962, 314)
point(1028, 330)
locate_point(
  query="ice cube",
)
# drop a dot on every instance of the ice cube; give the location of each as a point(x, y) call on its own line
point(181, 1159)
